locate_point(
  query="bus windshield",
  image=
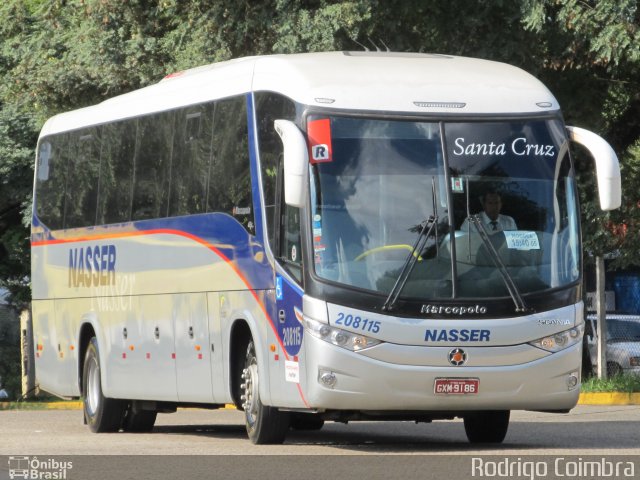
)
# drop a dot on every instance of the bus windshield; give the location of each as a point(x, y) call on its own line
point(500, 195)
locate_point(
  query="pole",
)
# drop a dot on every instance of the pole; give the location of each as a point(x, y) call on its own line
point(601, 311)
point(28, 360)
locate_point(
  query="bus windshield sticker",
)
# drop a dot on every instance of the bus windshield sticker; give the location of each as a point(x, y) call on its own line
point(318, 245)
point(319, 134)
point(519, 146)
point(457, 185)
point(241, 210)
point(521, 240)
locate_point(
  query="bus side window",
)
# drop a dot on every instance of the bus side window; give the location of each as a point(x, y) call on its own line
point(192, 158)
point(116, 172)
point(270, 107)
point(230, 175)
point(50, 188)
point(290, 252)
point(287, 241)
point(153, 166)
point(82, 184)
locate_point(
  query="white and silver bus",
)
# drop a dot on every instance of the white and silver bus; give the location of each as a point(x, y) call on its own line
point(309, 237)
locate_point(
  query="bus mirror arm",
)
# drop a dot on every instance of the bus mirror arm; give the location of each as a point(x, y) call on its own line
point(296, 159)
point(607, 166)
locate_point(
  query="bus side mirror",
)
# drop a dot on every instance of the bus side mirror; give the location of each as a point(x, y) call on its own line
point(296, 159)
point(607, 166)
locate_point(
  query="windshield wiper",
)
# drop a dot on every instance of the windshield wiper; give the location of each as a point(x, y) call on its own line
point(502, 269)
point(426, 228)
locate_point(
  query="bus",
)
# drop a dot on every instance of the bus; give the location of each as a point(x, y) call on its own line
point(302, 236)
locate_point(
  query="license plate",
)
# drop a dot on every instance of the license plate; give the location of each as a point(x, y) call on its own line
point(456, 386)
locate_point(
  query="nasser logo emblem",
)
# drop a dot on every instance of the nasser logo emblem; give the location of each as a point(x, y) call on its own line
point(457, 357)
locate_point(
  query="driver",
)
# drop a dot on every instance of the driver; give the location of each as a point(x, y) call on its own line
point(491, 217)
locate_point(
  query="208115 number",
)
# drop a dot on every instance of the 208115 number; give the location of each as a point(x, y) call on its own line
point(358, 323)
point(291, 336)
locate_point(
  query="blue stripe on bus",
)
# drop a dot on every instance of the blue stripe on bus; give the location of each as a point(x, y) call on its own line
point(255, 172)
point(218, 229)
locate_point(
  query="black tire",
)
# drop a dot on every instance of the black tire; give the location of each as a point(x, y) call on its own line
point(306, 421)
point(265, 425)
point(102, 414)
point(137, 420)
point(487, 427)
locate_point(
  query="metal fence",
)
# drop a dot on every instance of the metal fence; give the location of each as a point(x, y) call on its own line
point(622, 300)
point(622, 346)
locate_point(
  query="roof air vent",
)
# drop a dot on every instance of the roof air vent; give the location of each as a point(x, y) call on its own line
point(440, 104)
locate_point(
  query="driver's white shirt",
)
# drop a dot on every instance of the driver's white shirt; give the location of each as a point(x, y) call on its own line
point(504, 222)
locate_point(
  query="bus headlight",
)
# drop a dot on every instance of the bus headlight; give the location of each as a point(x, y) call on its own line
point(341, 338)
point(560, 341)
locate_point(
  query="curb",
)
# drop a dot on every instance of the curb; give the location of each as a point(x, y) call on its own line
point(590, 398)
point(609, 398)
point(63, 405)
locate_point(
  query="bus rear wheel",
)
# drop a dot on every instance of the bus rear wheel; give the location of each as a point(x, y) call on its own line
point(487, 427)
point(264, 424)
point(102, 414)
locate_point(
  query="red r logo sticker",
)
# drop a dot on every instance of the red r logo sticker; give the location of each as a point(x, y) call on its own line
point(319, 134)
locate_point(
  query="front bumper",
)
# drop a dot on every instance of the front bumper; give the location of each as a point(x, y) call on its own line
point(366, 384)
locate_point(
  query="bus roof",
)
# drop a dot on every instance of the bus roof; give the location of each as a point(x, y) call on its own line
point(369, 81)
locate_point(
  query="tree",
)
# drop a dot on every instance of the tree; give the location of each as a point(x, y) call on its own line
point(58, 55)
point(592, 57)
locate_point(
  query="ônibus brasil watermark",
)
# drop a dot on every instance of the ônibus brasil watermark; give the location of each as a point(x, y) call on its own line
point(559, 467)
point(34, 468)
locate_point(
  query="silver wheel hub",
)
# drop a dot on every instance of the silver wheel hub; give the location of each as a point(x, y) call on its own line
point(250, 393)
point(93, 387)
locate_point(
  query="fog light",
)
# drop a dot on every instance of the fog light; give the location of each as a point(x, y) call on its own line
point(572, 381)
point(327, 379)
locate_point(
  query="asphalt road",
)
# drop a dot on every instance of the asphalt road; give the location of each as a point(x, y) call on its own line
point(206, 436)
point(592, 430)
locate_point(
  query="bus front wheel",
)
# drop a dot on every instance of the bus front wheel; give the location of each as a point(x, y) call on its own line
point(264, 424)
point(487, 427)
point(102, 414)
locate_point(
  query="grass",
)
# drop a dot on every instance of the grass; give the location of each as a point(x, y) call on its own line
point(39, 402)
point(22, 406)
point(625, 383)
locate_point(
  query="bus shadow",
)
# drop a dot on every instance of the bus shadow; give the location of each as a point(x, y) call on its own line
point(221, 431)
point(439, 437)
point(443, 437)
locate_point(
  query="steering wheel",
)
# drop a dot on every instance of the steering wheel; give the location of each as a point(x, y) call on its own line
point(385, 248)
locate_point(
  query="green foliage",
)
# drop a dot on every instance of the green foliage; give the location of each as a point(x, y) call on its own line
point(626, 221)
point(57, 55)
point(10, 378)
point(592, 60)
point(17, 137)
point(319, 26)
point(620, 383)
point(42, 403)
